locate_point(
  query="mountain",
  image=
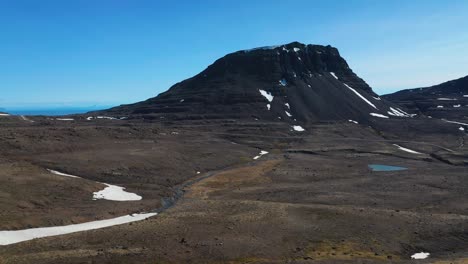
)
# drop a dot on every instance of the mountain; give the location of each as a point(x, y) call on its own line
point(293, 82)
point(446, 100)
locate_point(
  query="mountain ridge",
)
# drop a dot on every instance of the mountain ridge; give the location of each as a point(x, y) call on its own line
point(445, 100)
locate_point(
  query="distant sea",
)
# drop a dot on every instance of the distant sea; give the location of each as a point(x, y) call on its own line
point(53, 111)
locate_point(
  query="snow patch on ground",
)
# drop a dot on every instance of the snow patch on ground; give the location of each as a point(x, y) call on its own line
point(261, 154)
point(111, 192)
point(410, 115)
point(378, 115)
point(296, 49)
point(362, 97)
point(16, 236)
point(352, 121)
point(461, 128)
point(446, 99)
point(455, 122)
point(377, 98)
point(62, 174)
point(267, 95)
point(456, 106)
point(64, 119)
point(115, 193)
point(287, 105)
point(397, 112)
point(283, 82)
point(89, 118)
point(106, 117)
point(406, 149)
point(334, 75)
point(421, 255)
point(440, 106)
point(268, 106)
point(288, 114)
point(298, 128)
point(3, 114)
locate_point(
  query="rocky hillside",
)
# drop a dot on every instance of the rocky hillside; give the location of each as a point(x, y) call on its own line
point(292, 83)
point(446, 100)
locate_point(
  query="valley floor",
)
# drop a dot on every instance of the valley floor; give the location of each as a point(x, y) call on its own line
point(311, 199)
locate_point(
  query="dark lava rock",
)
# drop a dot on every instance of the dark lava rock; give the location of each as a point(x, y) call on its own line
point(307, 83)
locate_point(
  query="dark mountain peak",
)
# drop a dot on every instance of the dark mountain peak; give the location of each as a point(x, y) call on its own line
point(292, 82)
point(291, 62)
point(294, 46)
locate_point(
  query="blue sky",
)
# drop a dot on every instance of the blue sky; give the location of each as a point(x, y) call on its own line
point(111, 52)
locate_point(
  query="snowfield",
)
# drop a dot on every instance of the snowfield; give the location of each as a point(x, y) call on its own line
point(261, 154)
point(378, 115)
point(62, 174)
point(111, 192)
point(362, 97)
point(421, 255)
point(397, 112)
point(334, 75)
point(16, 236)
point(298, 128)
point(115, 193)
point(267, 95)
point(446, 99)
point(406, 149)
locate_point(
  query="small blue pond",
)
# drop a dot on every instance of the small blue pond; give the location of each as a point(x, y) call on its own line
point(380, 167)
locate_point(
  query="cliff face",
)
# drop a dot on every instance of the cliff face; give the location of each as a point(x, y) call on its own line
point(293, 82)
point(446, 100)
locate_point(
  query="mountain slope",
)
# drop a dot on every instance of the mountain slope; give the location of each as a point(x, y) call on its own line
point(446, 100)
point(293, 82)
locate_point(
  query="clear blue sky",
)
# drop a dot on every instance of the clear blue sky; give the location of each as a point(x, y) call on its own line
point(111, 52)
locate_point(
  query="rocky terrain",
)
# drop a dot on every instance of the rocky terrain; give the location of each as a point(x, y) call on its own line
point(233, 183)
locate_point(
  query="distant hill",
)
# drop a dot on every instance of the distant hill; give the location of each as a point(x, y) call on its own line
point(446, 100)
